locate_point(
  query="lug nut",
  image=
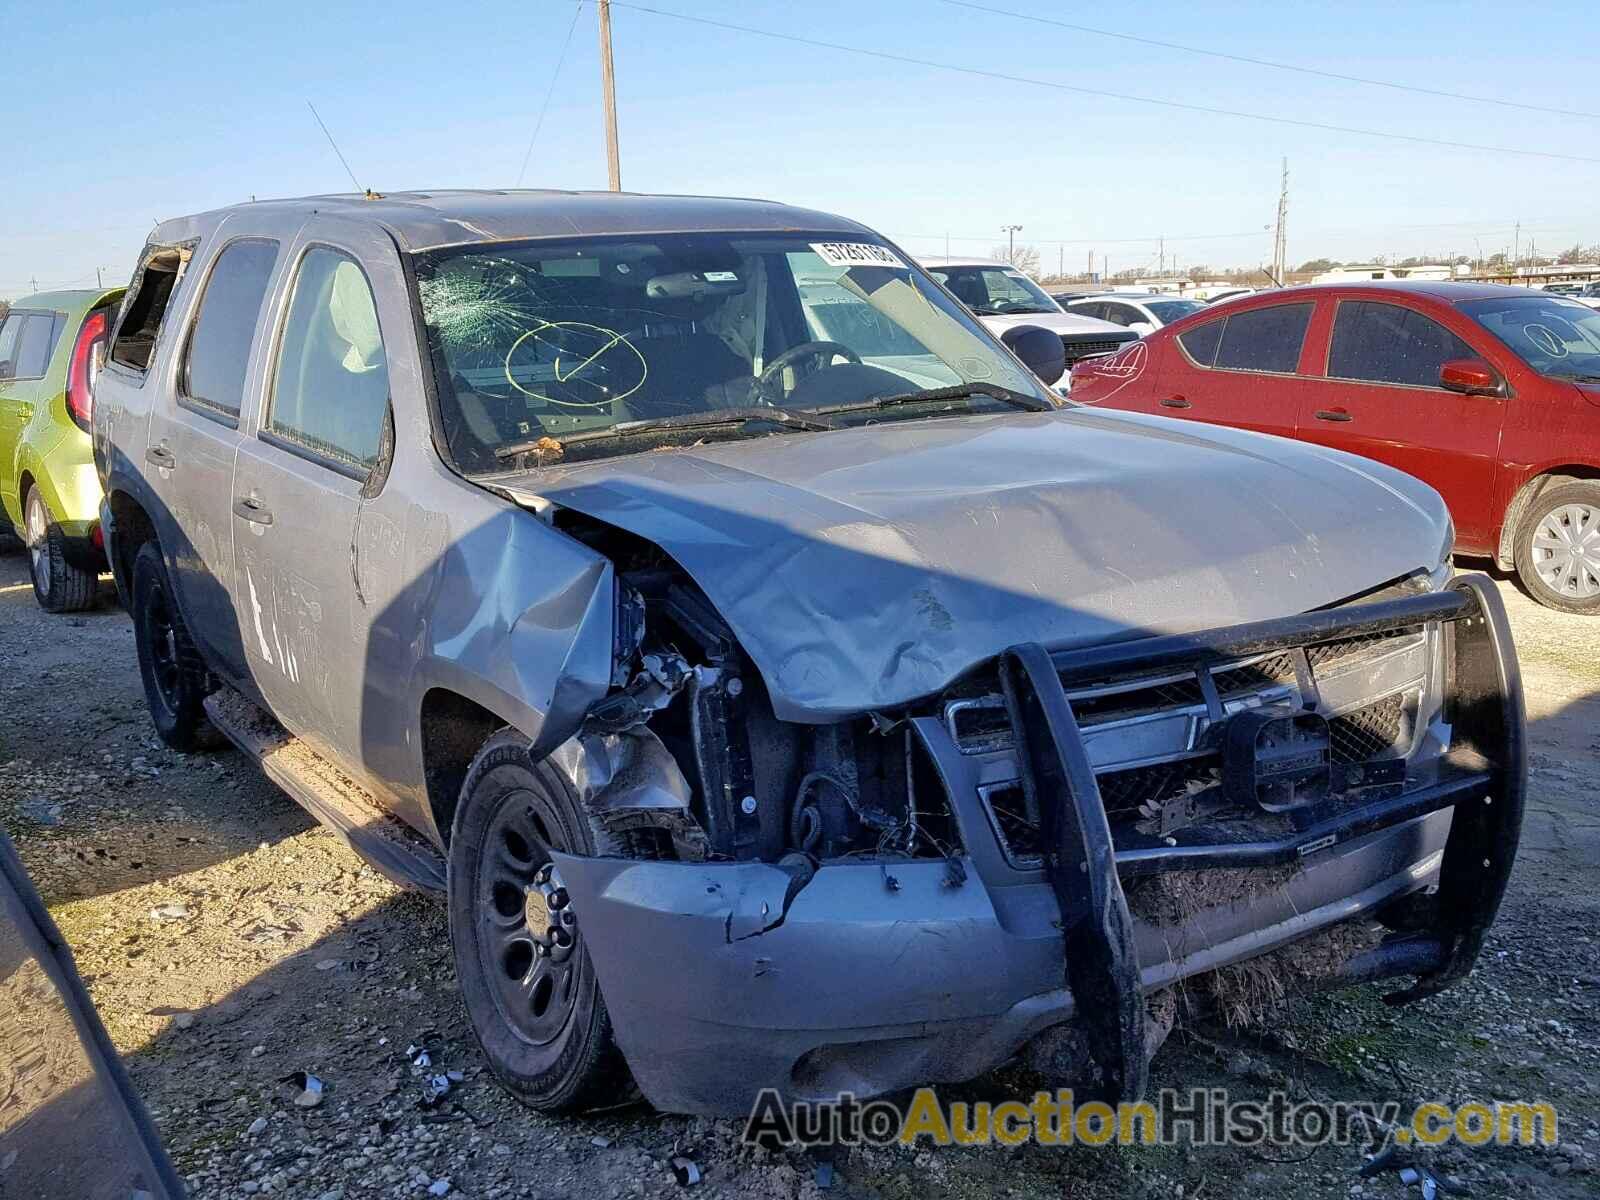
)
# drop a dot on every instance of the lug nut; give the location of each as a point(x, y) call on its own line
point(558, 898)
point(568, 917)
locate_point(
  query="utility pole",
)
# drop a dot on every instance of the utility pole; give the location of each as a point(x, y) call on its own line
point(1516, 251)
point(98, 282)
point(1161, 255)
point(947, 243)
point(1091, 266)
point(608, 86)
point(33, 282)
point(1011, 232)
point(1280, 245)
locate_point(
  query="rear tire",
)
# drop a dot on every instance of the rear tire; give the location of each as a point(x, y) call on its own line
point(1558, 548)
point(58, 585)
point(174, 675)
point(536, 1010)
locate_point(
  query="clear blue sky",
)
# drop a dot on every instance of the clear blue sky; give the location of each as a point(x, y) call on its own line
point(118, 114)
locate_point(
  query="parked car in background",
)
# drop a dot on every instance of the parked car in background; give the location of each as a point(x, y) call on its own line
point(1589, 294)
point(51, 347)
point(1004, 298)
point(1142, 312)
point(578, 555)
point(1490, 394)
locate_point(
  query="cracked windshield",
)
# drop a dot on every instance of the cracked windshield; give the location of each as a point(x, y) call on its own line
point(551, 340)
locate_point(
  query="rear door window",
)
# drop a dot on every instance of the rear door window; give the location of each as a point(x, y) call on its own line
point(1389, 343)
point(218, 353)
point(1264, 339)
point(27, 340)
point(330, 390)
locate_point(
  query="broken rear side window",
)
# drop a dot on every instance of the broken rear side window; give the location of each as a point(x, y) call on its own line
point(145, 306)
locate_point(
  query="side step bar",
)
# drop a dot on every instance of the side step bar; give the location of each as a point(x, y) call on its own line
point(393, 848)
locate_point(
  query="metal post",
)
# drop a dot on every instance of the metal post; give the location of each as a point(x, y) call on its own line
point(608, 86)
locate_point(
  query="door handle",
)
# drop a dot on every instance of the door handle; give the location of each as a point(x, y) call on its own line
point(160, 456)
point(252, 510)
point(1174, 402)
point(1332, 414)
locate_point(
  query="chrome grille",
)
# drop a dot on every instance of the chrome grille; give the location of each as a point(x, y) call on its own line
point(1077, 350)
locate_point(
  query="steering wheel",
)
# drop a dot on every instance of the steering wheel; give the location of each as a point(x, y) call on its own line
point(823, 352)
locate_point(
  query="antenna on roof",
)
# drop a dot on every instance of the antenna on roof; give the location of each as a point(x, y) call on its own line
point(336, 149)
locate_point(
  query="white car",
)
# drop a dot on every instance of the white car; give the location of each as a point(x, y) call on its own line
point(1003, 297)
point(1142, 312)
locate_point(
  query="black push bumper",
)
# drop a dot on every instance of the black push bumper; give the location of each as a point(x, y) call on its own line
point(1483, 778)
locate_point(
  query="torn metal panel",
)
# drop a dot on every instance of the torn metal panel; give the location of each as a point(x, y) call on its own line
point(865, 568)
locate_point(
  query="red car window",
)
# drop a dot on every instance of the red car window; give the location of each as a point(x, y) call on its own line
point(1388, 343)
point(1200, 343)
point(1264, 339)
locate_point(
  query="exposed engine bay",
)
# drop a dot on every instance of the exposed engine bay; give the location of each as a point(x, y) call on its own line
point(689, 707)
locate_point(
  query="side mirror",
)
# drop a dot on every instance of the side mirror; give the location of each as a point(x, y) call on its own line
point(1040, 350)
point(1470, 377)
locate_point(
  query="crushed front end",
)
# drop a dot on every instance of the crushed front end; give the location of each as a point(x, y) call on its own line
point(916, 896)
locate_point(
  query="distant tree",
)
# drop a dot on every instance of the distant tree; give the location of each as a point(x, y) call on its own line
point(1316, 266)
point(1498, 259)
point(1579, 253)
point(1023, 258)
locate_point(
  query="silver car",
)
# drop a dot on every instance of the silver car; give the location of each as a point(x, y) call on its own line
point(786, 690)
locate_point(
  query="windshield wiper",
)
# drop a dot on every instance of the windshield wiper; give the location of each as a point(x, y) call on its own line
point(957, 391)
point(718, 419)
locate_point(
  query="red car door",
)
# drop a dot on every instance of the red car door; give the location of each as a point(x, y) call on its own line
point(1239, 368)
point(1378, 395)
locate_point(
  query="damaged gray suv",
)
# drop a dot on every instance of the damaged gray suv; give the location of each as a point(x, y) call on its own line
point(787, 689)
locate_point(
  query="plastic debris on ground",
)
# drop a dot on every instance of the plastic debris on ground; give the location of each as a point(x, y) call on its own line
point(310, 1088)
point(686, 1171)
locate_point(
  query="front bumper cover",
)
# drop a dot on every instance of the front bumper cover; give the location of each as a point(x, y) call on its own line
point(721, 979)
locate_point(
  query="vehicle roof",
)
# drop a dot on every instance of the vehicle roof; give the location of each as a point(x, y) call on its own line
point(1448, 291)
point(953, 260)
point(69, 300)
point(424, 220)
point(1133, 296)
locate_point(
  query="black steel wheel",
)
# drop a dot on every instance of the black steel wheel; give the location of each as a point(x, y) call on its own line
point(175, 679)
point(529, 986)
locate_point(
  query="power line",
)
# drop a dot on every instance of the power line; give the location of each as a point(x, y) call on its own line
point(981, 73)
point(1266, 62)
point(550, 91)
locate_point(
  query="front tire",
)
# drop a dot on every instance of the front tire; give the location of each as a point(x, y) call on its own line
point(534, 1004)
point(1558, 548)
point(58, 585)
point(174, 675)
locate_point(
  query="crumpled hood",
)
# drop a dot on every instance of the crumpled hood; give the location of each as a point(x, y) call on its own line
point(1057, 323)
point(865, 568)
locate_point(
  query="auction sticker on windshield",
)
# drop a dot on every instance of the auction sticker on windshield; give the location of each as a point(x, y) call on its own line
point(855, 254)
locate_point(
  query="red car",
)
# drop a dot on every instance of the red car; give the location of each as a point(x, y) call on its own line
point(1491, 394)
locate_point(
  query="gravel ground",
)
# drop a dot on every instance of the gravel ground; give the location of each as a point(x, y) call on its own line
point(228, 941)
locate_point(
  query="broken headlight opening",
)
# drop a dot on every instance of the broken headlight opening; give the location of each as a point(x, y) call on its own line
point(686, 756)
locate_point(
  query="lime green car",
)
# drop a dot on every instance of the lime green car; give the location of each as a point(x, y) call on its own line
point(51, 346)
